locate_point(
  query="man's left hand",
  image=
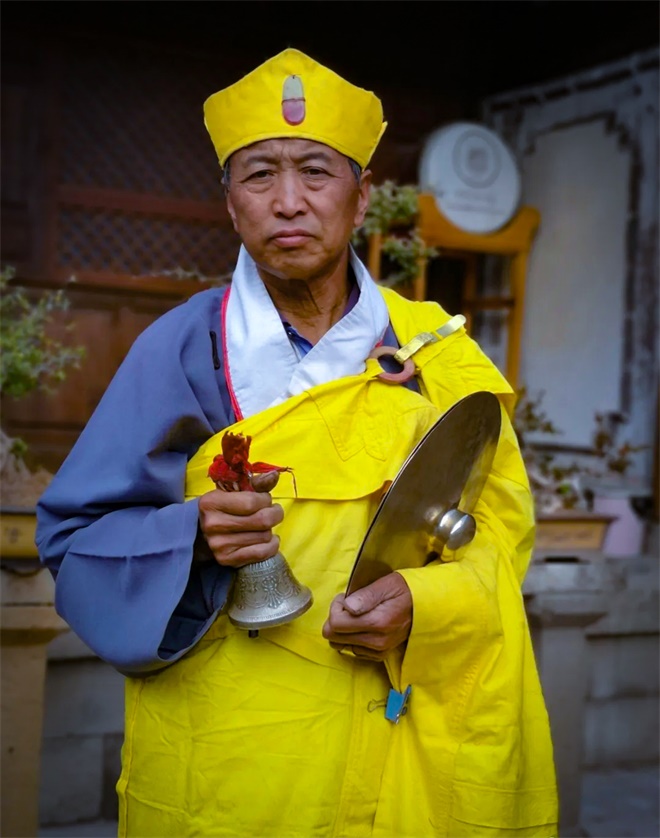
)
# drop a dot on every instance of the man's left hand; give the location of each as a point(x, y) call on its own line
point(373, 620)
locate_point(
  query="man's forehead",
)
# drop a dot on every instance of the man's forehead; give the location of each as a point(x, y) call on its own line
point(285, 148)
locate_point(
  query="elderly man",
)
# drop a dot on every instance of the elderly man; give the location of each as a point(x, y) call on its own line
point(288, 733)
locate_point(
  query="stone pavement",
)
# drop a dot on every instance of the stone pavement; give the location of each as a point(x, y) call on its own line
point(621, 804)
point(615, 804)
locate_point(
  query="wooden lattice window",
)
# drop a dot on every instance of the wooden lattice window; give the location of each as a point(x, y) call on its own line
point(138, 181)
point(132, 244)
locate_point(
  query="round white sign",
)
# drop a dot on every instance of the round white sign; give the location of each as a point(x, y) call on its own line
point(473, 176)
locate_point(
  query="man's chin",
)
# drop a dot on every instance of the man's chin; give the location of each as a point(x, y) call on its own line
point(294, 265)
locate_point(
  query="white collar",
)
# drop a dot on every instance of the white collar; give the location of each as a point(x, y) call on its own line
point(261, 365)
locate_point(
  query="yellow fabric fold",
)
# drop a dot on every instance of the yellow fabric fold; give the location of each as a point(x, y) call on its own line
point(282, 736)
point(342, 440)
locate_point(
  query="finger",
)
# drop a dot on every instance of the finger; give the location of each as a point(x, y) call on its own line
point(363, 601)
point(339, 598)
point(337, 605)
point(237, 556)
point(367, 640)
point(359, 651)
point(338, 618)
point(371, 645)
point(236, 503)
point(341, 621)
point(368, 654)
point(371, 596)
point(226, 522)
point(235, 540)
point(265, 482)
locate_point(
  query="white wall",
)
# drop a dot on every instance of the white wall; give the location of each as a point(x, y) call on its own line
point(587, 149)
point(572, 341)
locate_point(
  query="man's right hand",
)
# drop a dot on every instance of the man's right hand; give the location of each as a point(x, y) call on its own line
point(238, 526)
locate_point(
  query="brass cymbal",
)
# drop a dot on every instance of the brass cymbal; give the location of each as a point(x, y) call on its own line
point(429, 504)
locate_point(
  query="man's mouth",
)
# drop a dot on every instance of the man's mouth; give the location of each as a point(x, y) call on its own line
point(290, 238)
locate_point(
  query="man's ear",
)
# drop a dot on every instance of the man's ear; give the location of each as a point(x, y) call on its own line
point(230, 209)
point(363, 199)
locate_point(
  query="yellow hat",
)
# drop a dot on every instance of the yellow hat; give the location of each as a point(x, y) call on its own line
point(291, 95)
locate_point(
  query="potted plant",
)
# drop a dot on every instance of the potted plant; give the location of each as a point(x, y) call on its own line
point(554, 485)
point(565, 523)
point(610, 488)
point(30, 359)
point(390, 231)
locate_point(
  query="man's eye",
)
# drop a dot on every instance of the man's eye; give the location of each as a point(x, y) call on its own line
point(314, 171)
point(262, 174)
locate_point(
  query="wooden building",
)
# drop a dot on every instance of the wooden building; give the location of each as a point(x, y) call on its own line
point(110, 190)
point(110, 185)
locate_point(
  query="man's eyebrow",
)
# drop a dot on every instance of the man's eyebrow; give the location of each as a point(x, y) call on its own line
point(269, 159)
point(256, 158)
point(313, 155)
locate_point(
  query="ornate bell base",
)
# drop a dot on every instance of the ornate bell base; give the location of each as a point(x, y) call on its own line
point(267, 594)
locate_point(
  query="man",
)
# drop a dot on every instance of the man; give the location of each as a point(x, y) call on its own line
point(288, 733)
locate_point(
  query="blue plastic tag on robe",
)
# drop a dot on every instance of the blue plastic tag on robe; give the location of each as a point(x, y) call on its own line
point(397, 704)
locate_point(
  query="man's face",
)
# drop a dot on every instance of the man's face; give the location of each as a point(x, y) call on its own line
point(295, 204)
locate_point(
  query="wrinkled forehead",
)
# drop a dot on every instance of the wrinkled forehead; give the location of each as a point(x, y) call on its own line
point(283, 150)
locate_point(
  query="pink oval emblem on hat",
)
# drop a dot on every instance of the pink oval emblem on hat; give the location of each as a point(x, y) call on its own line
point(293, 100)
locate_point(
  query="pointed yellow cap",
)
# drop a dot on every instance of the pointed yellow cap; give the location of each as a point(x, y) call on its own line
point(291, 95)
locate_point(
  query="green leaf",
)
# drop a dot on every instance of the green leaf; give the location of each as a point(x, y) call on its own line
point(30, 358)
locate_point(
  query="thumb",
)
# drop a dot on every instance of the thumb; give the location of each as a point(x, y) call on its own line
point(390, 586)
point(366, 599)
point(265, 482)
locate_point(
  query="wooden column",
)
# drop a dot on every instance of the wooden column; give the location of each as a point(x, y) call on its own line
point(513, 241)
point(373, 259)
point(516, 317)
point(28, 623)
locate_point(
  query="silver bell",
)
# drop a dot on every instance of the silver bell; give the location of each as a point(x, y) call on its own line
point(267, 594)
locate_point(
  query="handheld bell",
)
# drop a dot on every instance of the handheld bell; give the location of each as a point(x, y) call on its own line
point(267, 594)
point(264, 594)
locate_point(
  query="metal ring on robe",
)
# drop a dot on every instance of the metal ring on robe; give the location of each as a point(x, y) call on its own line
point(407, 371)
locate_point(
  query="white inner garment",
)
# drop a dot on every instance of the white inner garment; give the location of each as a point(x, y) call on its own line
point(263, 368)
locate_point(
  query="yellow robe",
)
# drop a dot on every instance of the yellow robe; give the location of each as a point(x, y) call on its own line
point(280, 735)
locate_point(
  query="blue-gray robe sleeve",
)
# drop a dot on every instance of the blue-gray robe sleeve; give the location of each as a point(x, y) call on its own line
point(113, 526)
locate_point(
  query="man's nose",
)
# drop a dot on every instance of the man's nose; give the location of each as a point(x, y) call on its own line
point(290, 195)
